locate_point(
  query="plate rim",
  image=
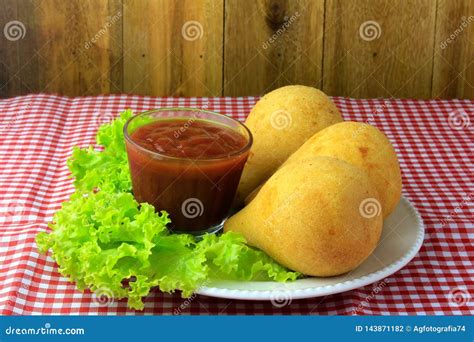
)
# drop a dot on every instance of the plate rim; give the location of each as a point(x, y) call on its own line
point(313, 292)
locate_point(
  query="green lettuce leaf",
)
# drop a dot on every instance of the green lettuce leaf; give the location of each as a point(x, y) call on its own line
point(104, 240)
point(230, 258)
point(107, 169)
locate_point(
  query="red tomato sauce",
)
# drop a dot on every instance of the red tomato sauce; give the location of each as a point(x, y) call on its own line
point(182, 138)
point(191, 169)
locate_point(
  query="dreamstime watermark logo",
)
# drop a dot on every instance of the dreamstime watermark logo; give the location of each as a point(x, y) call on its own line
point(379, 108)
point(370, 208)
point(14, 30)
point(370, 30)
point(177, 133)
point(281, 119)
point(192, 208)
point(104, 29)
point(192, 30)
point(375, 290)
point(188, 300)
point(103, 118)
point(47, 329)
point(5, 126)
point(458, 119)
point(288, 22)
point(453, 213)
point(16, 118)
point(20, 294)
point(452, 37)
point(15, 208)
point(459, 297)
point(103, 296)
point(280, 299)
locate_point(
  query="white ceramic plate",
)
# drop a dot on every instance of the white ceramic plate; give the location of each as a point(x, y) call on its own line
point(402, 237)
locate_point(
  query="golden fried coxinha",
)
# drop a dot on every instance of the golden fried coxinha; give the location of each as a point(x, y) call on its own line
point(280, 123)
point(309, 217)
point(361, 145)
point(364, 146)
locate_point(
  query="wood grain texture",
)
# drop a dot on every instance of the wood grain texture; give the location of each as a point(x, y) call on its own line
point(379, 48)
point(421, 48)
point(272, 43)
point(453, 72)
point(70, 47)
point(173, 48)
point(18, 62)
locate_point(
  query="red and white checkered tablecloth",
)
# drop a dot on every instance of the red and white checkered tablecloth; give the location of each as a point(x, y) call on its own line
point(434, 141)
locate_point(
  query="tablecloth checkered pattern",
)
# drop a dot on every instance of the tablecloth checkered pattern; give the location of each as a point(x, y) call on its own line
point(433, 139)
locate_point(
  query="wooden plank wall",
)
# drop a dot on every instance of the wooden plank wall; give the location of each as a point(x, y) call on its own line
point(355, 48)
